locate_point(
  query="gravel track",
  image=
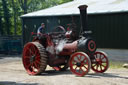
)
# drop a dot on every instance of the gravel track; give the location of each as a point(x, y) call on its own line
point(12, 72)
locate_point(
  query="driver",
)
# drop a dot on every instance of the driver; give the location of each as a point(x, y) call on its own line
point(41, 29)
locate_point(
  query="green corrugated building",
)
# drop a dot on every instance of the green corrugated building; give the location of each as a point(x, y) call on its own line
point(108, 19)
point(0, 25)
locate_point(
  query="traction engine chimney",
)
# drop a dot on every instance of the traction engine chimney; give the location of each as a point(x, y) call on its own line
point(83, 16)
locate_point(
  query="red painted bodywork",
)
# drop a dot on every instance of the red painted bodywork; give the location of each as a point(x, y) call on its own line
point(69, 48)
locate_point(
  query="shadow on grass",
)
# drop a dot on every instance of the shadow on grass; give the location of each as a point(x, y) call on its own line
point(107, 75)
point(53, 73)
point(89, 75)
point(13, 56)
point(1, 58)
point(15, 83)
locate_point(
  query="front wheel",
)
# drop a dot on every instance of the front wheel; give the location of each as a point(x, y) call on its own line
point(80, 63)
point(100, 62)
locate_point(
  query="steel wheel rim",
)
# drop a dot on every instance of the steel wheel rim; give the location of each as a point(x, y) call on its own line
point(100, 64)
point(31, 59)
point(79, 64)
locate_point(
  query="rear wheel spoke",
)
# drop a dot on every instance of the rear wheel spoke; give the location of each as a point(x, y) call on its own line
point(36, 65)
point(26, 59)
point(38, 62)
point(28, 51)
point(28, 65)
point(37, 58)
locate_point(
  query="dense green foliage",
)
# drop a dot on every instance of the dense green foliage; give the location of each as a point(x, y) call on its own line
point(11, 10)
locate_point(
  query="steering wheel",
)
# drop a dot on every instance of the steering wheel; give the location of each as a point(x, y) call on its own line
point(59, 29)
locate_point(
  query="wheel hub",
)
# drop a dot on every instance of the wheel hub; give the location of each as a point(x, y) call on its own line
point(99, 61)
point(78, 64)
point(32, 59)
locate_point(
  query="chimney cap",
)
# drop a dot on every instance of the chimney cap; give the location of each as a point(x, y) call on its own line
point(82, 7)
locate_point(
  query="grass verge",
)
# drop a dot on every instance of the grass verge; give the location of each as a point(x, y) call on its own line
point(115, 64)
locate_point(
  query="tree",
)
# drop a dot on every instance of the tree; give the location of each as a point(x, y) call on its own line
point(64, 1)
point(23, 5)
point(14, 13)
point(11, 10)
point(6, 14)
point(1, 30)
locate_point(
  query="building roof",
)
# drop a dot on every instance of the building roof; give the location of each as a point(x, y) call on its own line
point(94, 6)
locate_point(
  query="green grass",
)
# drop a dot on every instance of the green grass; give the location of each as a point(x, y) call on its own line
point(115, 64)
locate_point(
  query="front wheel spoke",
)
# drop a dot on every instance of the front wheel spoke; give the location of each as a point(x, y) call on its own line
point(94, 65)
point(86, 62)
point(78, 58)
point(93, 62)
point(97, 66)
point(85, 67)
point(76, 68)
point(83, 60)
point(81, 70)
point(75, 61)
point(104, 62)
point(96, 56)
point(102, 58)
point(101, 67)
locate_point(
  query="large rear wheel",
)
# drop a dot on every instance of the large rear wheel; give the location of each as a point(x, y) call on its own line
point(34, 58)
point(80, 63)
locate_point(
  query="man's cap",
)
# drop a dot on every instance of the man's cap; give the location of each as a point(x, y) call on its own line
point(42, 23)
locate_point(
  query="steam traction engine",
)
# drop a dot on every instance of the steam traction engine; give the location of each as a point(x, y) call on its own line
point(64, 49)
